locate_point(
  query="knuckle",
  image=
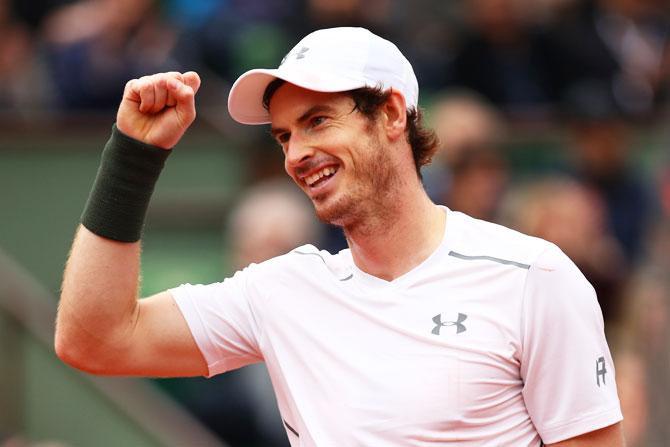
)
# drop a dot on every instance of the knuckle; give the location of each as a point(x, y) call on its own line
point(147, 87)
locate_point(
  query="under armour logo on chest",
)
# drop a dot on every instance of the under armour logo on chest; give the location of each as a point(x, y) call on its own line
point(300, 54)
point(439, 324)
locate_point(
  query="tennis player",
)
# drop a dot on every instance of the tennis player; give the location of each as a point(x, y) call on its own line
point(432, 328)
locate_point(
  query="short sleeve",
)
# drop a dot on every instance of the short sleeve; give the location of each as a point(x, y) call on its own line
point(568, 373)
point(222, 321)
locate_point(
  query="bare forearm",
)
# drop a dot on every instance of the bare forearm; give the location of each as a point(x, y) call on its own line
point(98, 300)
point(99, 325)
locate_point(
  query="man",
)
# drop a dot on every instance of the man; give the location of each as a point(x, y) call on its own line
point(432, 328)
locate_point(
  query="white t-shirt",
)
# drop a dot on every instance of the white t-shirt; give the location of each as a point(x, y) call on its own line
point(495, 340)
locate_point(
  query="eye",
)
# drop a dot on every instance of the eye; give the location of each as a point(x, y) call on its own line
point(283, 138)
point(318, 120)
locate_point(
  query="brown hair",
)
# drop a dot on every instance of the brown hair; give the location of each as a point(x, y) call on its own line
point(368, 101)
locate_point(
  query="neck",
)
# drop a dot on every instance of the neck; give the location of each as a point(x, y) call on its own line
point(390, 244)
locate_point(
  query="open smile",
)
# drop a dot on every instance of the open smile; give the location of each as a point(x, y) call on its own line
point(320, 177)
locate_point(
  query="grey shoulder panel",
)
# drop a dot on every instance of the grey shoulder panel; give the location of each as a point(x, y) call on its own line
point(489, 258)
point(323, 260)
point(309, 253)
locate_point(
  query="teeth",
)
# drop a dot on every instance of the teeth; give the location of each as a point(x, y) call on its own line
point(310, 180)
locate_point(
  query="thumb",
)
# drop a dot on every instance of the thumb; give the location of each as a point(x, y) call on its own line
point(192, 79)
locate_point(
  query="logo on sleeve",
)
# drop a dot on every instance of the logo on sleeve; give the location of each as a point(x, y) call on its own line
point(439, 324)
point(600, 370)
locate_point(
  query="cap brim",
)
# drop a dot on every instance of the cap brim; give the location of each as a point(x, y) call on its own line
point(245, 100)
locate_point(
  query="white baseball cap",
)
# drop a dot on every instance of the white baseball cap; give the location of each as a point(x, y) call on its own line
point(327, 60)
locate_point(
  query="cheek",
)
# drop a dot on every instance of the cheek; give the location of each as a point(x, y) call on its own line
point(287, 168)
point(288, 171)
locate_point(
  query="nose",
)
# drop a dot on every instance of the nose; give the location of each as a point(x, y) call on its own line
point(297, 152)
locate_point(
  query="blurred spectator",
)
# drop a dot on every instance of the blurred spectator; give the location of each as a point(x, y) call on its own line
point(573, 217)
point(664, 183)
point(645, 352)
point(504, 57)
point(372, 14)
point(192, 13)
point(472, 172)
point(227, 38)
point(420, 28)
point(23, 84)
point(624, 44)
point(222, 39)
point(601, 144)
point(33, 12)
point(632, 386)
point(430, 34)
point(270, 219)
point(95, 46)
point(640, 346)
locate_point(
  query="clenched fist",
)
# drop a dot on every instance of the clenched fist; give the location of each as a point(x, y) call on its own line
point(158, 109)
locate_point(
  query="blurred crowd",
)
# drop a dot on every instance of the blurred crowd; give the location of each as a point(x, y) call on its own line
point(528, 58)
point(593, 75)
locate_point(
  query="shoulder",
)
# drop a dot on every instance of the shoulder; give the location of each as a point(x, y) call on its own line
point(306, 260)
point(477, 237)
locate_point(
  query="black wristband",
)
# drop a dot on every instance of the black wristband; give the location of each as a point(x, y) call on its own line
point(122, 189)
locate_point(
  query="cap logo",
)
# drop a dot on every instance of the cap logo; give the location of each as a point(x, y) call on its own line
point(298, 55)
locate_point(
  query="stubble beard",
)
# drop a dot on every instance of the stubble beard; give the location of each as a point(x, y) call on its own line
point(367, 202)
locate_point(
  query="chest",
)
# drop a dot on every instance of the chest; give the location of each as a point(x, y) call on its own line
point(434, 355)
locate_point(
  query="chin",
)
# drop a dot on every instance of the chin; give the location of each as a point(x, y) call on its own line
point(338, 212)
point(327, 214)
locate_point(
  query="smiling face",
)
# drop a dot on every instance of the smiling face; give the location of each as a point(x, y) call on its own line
point(334, 154)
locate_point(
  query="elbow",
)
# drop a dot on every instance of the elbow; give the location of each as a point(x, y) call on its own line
point(67, 351)
point(71, 351)
point(64, 349)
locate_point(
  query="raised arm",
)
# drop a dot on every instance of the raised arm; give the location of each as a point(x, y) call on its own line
point(101, 325)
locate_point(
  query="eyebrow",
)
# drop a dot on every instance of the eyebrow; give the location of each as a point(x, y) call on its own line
point(319, 108)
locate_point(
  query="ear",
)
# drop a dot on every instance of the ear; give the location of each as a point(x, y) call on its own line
point(395, 116)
